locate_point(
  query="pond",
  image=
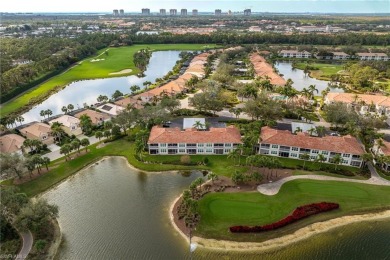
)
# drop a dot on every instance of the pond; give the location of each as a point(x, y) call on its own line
point(86, 91)
point(301, 80)
point(112, 211)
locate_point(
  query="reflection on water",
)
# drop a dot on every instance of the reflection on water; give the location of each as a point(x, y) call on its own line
point(86, 91)
point(300, 79)
point(111, 211)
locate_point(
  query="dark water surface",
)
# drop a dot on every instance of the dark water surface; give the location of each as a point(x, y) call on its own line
point(110, 211)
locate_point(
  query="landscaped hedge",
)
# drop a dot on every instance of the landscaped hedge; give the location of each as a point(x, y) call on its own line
point(298, 213)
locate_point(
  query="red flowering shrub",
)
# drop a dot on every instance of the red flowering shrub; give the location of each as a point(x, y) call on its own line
point(298, 213)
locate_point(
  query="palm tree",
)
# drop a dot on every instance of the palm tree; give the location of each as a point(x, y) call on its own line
point(64, 109)
point(19, 119)
point(85, 142)
point(321, 158)
point(65, 149)
point(48, 112)
point(139, 147)
point(134, 88)
point(46, 162)
point(99, 135)
point(306, 93)
point(367, 157)
point(305, 157)
point(57, 131)
point(320, 130)
point(212, 176)
point(312, 89)
point(70, 107)
point(379, 143)
point(107, 133)
point(336, 160)
point(75, 144)
point(198, 125)
point(233, 154)
point(42, 114)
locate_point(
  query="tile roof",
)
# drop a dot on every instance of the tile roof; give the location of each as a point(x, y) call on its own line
point(36, 130)
point(111, 109)
point(228, 134)
point(129, 100)
point(386, 148)
point(66, 120)
point(381, 54)
point(350, 98)
point(262, 68)
point(337, 144)
point(95, 116)
point(11, 143)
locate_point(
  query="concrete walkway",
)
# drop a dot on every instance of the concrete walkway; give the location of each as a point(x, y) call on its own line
point(27, 245)
point(274, 187)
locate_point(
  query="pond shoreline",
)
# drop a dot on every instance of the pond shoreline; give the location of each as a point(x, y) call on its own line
point(278, 242)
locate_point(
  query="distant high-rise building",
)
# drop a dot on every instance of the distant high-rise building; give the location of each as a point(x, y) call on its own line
point(230, 12)
point(195, 12)
point(121, 12)
point(247, 12)
point(163, 12)
point(218, 12)
point(173, 11)
point(183, 12)
point(145, 11)
point(115, 12)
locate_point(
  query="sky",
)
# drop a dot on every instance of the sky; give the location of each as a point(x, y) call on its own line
point(285, 6)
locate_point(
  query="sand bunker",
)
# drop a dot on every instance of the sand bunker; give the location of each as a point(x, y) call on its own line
point(121, 72)
point(96, 60)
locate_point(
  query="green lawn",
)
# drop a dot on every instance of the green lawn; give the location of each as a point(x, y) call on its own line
point(117, 59)
point(324, 71)
point(218, 164)
point(219, 211)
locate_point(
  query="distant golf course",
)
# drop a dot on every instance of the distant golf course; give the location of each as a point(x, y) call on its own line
point(106, 63)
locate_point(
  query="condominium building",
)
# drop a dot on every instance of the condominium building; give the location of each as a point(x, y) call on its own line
point(294, 54)
point(145, 11)
point(247, 12)
point(372, 56)
point(115, 12)
point(382, 150)
point(183, 12)
point(173, 11)
point(218, 12)
point(163, 12)
point(195, 12)
point(191, 141)
point(121, 12)
point(283, 143)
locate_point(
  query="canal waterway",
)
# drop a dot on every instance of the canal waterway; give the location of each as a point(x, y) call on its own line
point(112, 211)
point(87, 91)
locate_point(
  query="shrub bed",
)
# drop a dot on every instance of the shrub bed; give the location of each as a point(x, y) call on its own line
point(299, 213)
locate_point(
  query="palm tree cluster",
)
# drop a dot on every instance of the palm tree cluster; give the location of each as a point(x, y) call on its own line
point(45, 113)
point(261, 161)
point(76, 144)
point(188, 208)
point(36, 162)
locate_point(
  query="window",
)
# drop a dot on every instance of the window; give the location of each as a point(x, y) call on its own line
point(346, 155)
point(172, 145)
point(355, 156)
point(163, 150)
point(172, 151)
point(228, 145)
point(200, 150)
point(313, 157)
point(345, 161)
point(275, 146)
point(264, 145)
point(218, 145)
point(285, 147)
point(227, 150)
point(182, 150)
point(303, 150)
point(314, 151)
point(163, 145)
point(354, 163)
point(294, 155)
point(200, 145)
point(153, 145)
point(274, 152)
point(208, 150)
point(209, 145)
point(295, 149)
point(182, 145)
point(191, 145)
point(325, 152)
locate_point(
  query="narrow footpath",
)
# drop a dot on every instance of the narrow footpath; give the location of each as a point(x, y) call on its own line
point(27, 245)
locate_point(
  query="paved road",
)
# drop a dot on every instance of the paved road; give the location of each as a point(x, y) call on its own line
point(27, 245)
point(274, 187)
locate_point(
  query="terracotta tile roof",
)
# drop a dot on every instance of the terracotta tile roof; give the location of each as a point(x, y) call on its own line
point(262, 68)
point(339, 53)
point(36, 130)
point(337, 144)
point(111, 109)
point(66, 120)
point(350, 98)
point(11, 143)
point(129, 100)
point(95, 116)
point(386, 148)
point(381, 54)
point(229, 134)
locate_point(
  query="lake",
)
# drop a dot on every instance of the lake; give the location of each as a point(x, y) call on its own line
point(86, 91)
point(301, 80)
point(111, 211)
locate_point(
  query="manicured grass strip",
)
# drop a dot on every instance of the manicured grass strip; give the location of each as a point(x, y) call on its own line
point(324, 70)
point(219, 211)
point(117, 59)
